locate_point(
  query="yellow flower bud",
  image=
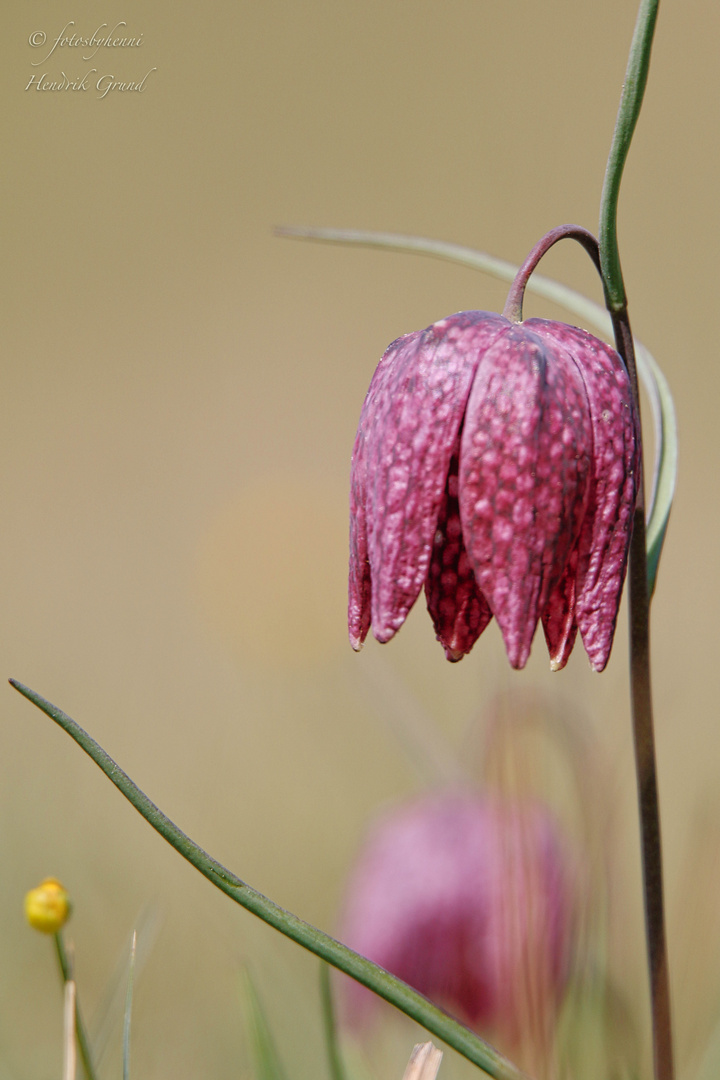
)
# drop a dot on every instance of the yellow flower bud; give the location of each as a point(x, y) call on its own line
point(47, 907)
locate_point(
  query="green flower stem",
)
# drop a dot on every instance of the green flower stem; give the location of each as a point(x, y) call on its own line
point(386, 986)
point(67, 974)
point(628, 112)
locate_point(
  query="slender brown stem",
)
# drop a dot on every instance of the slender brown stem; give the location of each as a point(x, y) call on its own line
point(642, 716)
point(514, 303)
point(640, 682)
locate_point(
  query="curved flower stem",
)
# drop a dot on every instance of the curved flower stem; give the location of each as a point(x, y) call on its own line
point(398, 993)
point(513, 309)
point(630, 102)
point(67, 975)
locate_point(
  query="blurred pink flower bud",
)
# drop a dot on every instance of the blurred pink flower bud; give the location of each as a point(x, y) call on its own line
point(469, 900)
point(496, 463)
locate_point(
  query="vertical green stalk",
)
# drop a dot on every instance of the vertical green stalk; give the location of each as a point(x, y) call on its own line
point(639, 596)
point(630, 102)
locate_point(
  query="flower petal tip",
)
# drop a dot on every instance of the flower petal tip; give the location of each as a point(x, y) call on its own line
point(517, 656)
point(454, 655)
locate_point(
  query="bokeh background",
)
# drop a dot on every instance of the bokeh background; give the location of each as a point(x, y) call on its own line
point(180, 393)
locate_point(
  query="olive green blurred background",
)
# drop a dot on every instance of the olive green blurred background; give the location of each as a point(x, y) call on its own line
point(180, 393)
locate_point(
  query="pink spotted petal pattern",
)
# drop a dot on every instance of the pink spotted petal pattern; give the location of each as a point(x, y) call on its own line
point(408, 429)
point(497, 464)
point(559, 616)
point(360, 582)
point(458, 609)
point(524, 475)
point(605, 538)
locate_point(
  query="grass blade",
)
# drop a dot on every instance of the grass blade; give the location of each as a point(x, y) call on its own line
point(332, 1044)
point(268, 1065)
point(128, 1010)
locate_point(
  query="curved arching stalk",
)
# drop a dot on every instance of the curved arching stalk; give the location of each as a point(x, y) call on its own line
point(382, 983)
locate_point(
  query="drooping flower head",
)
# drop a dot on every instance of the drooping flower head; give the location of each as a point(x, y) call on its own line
point(496, 463)
point(469, 899)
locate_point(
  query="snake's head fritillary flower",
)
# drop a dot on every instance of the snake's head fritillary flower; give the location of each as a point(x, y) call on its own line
point(496, 463)
point(470, 900)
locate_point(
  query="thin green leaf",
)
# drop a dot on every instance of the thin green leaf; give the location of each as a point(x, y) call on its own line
point(666, 458)
point(128, 1010)
point(332, 1045)
point(381, 982)
point(268, 1065)
point(654, 382)
point(108, 1016)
